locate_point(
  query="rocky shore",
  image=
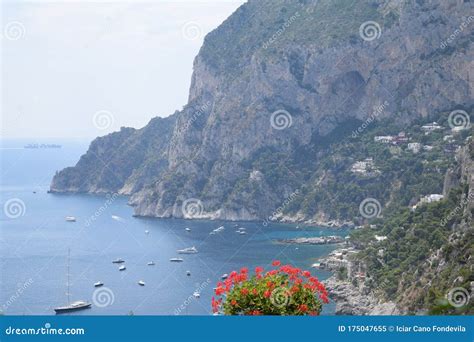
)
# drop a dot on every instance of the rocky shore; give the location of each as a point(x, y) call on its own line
point(348, 290)
point(314, 240)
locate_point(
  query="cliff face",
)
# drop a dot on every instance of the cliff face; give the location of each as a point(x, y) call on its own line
point(298, 65)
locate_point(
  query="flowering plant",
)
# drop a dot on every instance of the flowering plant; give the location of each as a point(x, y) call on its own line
point(284, 290)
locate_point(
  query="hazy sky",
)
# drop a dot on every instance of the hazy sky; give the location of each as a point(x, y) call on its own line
point(85, 68)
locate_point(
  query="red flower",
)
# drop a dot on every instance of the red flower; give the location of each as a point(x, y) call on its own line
point(255, 292)
point(244, 292)
point(258, 269)
point(244, 270)
point(306, 274)
point(303, 307)
point(267, 293)
point(233, 302)
point(219, 291)
point(276, 263)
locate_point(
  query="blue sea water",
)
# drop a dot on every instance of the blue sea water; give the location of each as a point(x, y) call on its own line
point(35, 238)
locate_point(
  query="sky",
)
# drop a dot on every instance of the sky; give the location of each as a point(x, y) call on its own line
point(81, 69)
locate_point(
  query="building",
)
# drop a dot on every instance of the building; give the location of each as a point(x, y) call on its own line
point(385, 139)
point(365, 167)
point(431, 127)
point(428, 199)
point(414, 147)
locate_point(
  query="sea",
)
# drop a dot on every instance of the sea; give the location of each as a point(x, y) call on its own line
point(46, 261)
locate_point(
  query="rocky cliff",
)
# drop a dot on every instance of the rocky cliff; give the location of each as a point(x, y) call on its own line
point(272, 86)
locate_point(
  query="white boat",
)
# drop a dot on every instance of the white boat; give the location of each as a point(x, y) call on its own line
point(122, 268)
point(242, 232)
point(225, 276)
point(74, 306)
point(189, 250)
point(118, 261)
point(187, 229)
point(98, 284)
point(151, 263)
point(196, 294)
point(219, 229)
point(70, 219)
point(176, 260)
point(147, 231)
point(141, 283)
point(188, 273)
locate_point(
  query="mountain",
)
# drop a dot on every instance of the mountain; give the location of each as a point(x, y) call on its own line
point(286, 96)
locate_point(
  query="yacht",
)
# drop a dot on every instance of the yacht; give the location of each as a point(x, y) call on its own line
point(122, 268)
point(74, 306)
point(147, 231)
point(141, 283)
point(187, 229)
point(188, 273)
point(225, 276)
point(242, 232)
point(98, 284)
point(196, 294)
point(176, 260)
point(118, 261)
point(151, 263)
point(70, 219)
point(189, 250)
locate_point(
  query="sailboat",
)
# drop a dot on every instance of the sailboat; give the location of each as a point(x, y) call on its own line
point(74, 306)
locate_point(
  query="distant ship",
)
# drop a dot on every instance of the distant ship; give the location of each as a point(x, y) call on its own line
point(189, 250)
point(74, 306)
point(70, 219)
point(176, 260)
point(141, 283)
point(98, 284)
point(118, 261)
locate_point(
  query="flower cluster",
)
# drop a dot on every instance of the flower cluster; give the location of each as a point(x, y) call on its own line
point(283, 290)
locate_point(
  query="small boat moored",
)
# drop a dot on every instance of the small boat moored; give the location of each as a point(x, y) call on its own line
point(122, 268)
point(196, 294)
point(225, 276)
point(151, 263)
point(187, 229)
point(98, 284)
point(141, 283)
point(118, 261)
point(189, 250)
point(79, 305)
point(176, 260)
point(188, 273)
point(70, 219)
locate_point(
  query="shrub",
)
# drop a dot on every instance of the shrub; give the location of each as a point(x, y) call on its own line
point(284, 290)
